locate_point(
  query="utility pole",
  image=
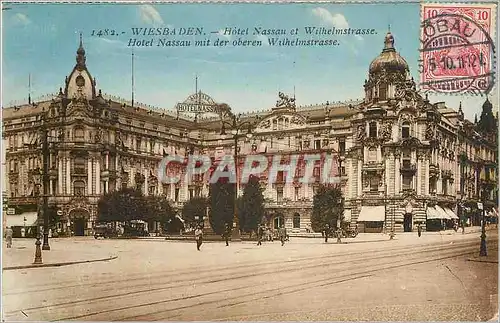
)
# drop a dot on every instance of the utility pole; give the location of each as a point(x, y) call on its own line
point(45, 177)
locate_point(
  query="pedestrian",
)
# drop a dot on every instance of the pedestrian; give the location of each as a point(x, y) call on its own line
point(8, 236)
point(198, 234)
point(227, 231)
point(419, 229)
point(282, 235)
point(327, 231)
point(260, 233)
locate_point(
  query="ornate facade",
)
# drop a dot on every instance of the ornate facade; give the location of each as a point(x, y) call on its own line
point(401, 158)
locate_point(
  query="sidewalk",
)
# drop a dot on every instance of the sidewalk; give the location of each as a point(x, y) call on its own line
point(62, 252)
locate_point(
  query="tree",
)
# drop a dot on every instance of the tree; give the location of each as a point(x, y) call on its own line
point(159, 210)
point(251, 205)
point(194, 210)
point(123, 205)
point(328, 208)
point(221, 205)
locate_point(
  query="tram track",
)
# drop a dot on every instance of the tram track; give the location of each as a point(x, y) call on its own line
point(321, 269)
point(224, 275)
point(188, 272)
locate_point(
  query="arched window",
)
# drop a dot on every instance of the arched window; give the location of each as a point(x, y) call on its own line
point(296, 221)
point(79, 134)
point(405, 130)
point(372, 129)
point(79, 188)
point(79, 165)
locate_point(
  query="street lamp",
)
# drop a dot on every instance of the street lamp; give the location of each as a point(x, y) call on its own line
point(236, 131)
point(486, 188)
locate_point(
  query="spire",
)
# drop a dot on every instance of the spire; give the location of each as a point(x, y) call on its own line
point(389, 42)
point(80, 55)
point(29, 88)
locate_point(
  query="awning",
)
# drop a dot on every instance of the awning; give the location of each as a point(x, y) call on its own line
point(451, 213)
point(442, 213)
point(432, 213)
point(18, 219)
point(372, 214)
point(347, 215)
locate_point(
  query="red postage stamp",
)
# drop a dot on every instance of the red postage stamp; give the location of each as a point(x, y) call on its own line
point(457, 48)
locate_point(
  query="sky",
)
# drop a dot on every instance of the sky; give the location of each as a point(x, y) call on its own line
point(40, 43)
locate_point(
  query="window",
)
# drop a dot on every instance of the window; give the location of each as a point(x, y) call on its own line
point(342, 147)
point(280, 178)
point(79, 134)
point(372, 154)
point(79, 165)
point(407, 182)
point(300, 145)
point(317, 144)
point(197, 192)
point(315, 190)
point(191, 193)
point(342, 170)
point(176, 198)
point(296, 221)
point(152, 190)
point(372, 130)
point(432, 186)
point(445, 187)
point(405, 130)
point(138, 144)
point(296, 196)
point(279, 195)
point(383, 91)
point(79, 188)
point(374, 181)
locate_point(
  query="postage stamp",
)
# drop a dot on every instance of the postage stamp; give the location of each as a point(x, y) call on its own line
point(457, 48)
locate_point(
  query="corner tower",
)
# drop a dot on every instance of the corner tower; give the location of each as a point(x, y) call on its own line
point(385, 71)
point(79, 84)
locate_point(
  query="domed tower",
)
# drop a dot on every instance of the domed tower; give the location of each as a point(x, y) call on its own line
point(79, 84)
point(386, 70)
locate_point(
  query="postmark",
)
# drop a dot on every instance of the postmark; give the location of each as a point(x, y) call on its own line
point(457, 53)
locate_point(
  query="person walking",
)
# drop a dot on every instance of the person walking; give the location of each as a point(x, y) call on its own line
point(327, 231)
point(282, 235)
point(198, 234)
point(8, 236)
point(260, 233)
point(419, 229)
point(227, 232)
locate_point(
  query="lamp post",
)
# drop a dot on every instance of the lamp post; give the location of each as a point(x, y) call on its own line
point(236, 126)
point(486, 188)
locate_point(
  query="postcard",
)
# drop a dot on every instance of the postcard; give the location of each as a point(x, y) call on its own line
point(257, 161)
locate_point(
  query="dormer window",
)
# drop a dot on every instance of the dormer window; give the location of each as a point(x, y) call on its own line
point(372, 130)
point(405, 130)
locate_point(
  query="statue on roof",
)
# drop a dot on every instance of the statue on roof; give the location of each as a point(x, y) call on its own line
point(285, 101)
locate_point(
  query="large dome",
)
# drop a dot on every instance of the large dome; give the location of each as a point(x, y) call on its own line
point(389, 59)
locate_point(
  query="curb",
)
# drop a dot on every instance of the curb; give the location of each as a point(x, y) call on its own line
point(59, 264)
point(483, 260)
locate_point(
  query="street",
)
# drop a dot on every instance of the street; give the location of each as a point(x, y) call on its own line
point(408, 278)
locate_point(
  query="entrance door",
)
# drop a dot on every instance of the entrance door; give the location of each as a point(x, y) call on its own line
point(79, 224)
point(408, 222)
point(278, 222)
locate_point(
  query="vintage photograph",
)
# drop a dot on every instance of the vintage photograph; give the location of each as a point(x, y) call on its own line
point(211, 161)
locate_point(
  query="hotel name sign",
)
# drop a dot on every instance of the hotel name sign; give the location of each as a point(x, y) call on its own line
point(201, 103)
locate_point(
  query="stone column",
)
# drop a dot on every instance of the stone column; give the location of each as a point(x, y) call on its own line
point(68, 176)
point(427, 175)
point(89, 176)
point(360, 178)
point(146, 177)
point(51, 188)
point(397, 177)
point(107, 161)
point(60, 177)
point(98, 177)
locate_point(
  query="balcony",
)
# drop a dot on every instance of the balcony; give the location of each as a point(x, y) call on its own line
point(79, 172)
point(373, 166)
